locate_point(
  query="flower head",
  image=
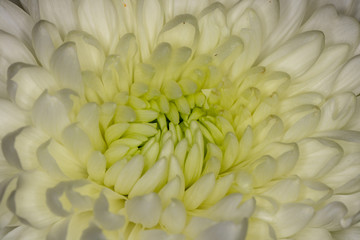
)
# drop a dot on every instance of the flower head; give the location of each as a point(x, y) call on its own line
point(172, 119)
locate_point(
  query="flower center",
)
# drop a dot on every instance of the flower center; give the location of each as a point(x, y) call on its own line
point(177, 118)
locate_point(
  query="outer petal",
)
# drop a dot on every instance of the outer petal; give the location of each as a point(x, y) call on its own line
point(65, 66)
point(347, 80)
point(285, 222)
point(11, 118)
point(50, 114)
point(46, 38)
point(290, 57)
point(12, 50)
point(338, 29)
point(99, 18)
point(60, 13)
point(16, 22)
point(32, 186)
point(145, 209)
point(291, 14)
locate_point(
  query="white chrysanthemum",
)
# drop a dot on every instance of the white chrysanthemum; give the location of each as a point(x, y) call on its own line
point(180, 119)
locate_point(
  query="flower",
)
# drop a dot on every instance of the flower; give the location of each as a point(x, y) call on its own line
point(179, 119)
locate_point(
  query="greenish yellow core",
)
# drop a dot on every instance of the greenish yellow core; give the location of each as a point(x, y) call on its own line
point(158, 112)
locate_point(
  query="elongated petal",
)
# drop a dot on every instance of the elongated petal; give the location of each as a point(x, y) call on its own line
point(145, 210)
point(55, 11)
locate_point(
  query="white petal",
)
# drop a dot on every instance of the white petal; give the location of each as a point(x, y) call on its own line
point(59, 230)
point(99, 18)
point(229, 54)
point(348, 234)
point(8, 149)
point(13, 50)
point(54, 202)
point(302, 123)
point(330, 216)
point(230, 208)
point(293, 102)
point(322, 74)
point(32, 186)
point(150, 21)
point(151, 180)
point(173, 217)
point(230, 152)
point(66, 69)
point(264, 170)
point(193, 165)
point(47, 161)
point(236, 11)
point(354, 124)
point(228, 3)
point(3, 85)
point(226, 231)
point(317, 157)
point(270, 129)
point(107, 219)
point(25, 232)
point(347, 7)
point(93, 232)
point(351, 186)
point(46, 39)
point(171, 190)
point(12, 117)
point(75, 140)
point(351, 203)
point(32, 7)
point(50, 115)
point(286, 190)
point(28, 83)
point(212, 26)
point(96, 166)
point(188, 6)
point(113, 172)
point(290, 56)
point(70, 165)
point(345, 135)
point(314, 234)
point(285, 222)
point(16, 22)
point(338, 29)
point(88, 118)
point(183, 30)
point(60, 13)
point(78, 223)
point(153, 234)
point(258, 229)
point(287, 159)
point(129, 175)
point(347, 80)
point(347, 169)
point(268, 13)
point(145, 210)
point(199, 191)
point(6, 188)
point(314, 191)
point(291, 15)
point(89, 51)
point(221, 188)
point(248, 28)
point(27, 143)
point(125, 12)
point(197, 225)
point(337, 111)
